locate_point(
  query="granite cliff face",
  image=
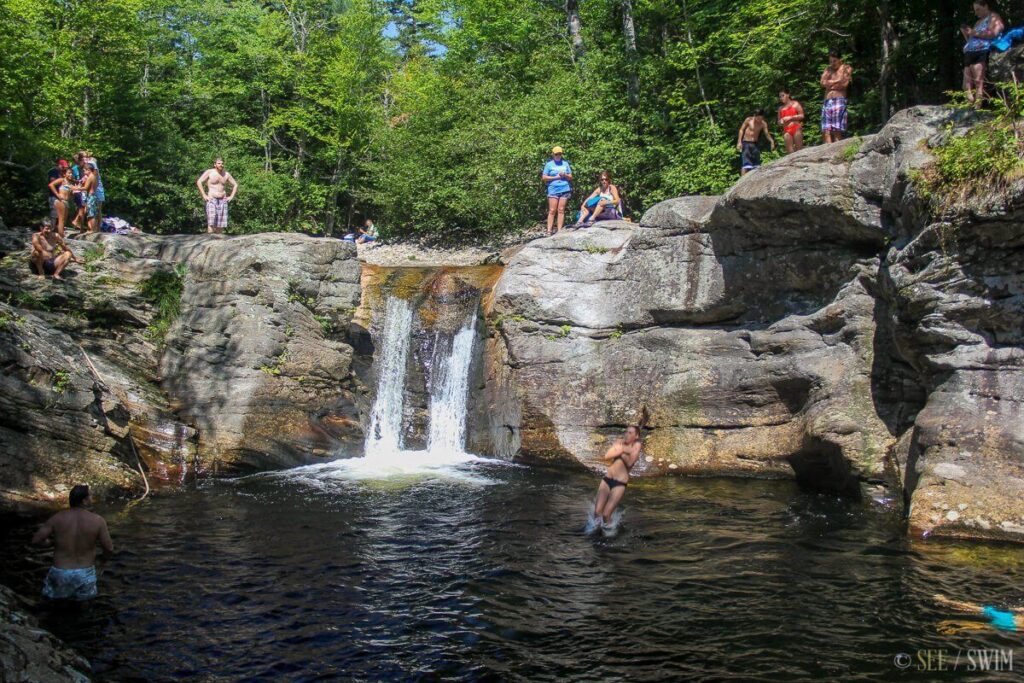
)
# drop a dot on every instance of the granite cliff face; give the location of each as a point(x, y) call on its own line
point(812, 321)
point(254, 372)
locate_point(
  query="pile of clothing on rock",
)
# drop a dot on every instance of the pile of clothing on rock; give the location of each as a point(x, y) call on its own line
point(118, 226)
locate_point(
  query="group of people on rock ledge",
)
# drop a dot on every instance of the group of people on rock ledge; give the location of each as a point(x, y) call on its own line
point(605, 202)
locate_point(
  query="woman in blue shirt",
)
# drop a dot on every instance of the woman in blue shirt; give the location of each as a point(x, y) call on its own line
point(557, 175)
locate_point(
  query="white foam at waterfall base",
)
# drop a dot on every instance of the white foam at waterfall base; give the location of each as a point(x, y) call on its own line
point(385, 458)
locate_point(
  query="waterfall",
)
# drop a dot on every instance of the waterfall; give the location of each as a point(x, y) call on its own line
point(384, 455)
point(449, 393)
point(385, 433)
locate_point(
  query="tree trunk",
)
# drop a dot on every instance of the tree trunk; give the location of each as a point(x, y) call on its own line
point(629, 33)
point(890, 42)
point(696, 68)
point(572, 14)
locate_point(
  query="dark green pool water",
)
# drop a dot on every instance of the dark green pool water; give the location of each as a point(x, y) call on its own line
point(299, 578)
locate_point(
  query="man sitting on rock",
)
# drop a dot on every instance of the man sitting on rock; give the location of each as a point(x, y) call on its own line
point(50, 254)
point(76, 532)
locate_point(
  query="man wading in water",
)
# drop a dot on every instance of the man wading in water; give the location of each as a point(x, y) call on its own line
point(76, 532)
point(622, 456)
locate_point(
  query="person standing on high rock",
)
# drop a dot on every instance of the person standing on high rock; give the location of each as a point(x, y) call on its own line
point(76, 532)
point(976, 50)
point(836, 82)
point(215, 196)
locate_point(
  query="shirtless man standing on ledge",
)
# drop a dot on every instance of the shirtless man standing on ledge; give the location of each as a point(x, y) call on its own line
point(76, 532)
point(215, 197)
point(836, 82)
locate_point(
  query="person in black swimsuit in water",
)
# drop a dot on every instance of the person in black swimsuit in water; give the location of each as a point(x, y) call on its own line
point(622, 456)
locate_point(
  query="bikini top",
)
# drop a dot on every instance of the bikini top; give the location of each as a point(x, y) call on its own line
point(788, 111)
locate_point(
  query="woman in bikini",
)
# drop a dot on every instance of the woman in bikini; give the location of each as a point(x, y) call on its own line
point(603, 202)
point(791, 118)
point(63, 189)
point(622, 457)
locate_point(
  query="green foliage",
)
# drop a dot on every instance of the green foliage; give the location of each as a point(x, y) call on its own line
point(981, 162)
point(9, 321)
point(91, 257)
point(274, 369)
point(594, 249)
point(852, 149)
point(435, 117)
point(295, 296)
point(325, 324)
point(61, 381)
point(616, 334)
point(163, 290)
point(29, 300)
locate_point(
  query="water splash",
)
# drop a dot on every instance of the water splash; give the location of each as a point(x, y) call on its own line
point(385, 457)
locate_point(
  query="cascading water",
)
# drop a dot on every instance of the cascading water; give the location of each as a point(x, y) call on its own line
point(385, 433)
point(449, 394)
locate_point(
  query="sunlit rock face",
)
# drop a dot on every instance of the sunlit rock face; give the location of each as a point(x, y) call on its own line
point(812, 322)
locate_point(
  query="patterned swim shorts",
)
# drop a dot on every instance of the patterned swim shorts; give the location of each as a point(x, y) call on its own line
point(70, 584)
point(217, 213)
point(834, 115)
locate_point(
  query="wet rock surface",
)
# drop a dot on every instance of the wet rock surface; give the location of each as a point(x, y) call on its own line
point(30, 654)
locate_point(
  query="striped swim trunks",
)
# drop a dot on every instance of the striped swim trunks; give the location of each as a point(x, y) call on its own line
point(217, 212)
point(833, 114)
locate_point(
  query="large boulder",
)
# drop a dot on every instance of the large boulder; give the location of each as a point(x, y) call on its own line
point(31, 654)
point(955, 297)
point(745, 324)
point(258, 360)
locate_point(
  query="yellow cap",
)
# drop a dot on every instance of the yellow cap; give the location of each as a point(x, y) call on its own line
point(557, 150)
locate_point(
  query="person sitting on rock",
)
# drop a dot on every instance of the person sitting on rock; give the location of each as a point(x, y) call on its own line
point(1009, 620)
point(603, 203)
point(50, 254)
point(367, 233)
point(76, 533)
point(747, 141)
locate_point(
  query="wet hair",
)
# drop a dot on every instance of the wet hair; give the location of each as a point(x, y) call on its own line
point(45, 223)
point(78, 495)
point(759, 112)
point(604, 174)
point(784, 91)
point(645, 417)
point(835, 53)
point(987, 4)
point(218, 160)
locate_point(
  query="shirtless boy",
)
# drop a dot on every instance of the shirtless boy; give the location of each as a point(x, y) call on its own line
point(215, 196)
point(76, 533)
point(50, 255)
point(836, 82)
point(746, 142)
